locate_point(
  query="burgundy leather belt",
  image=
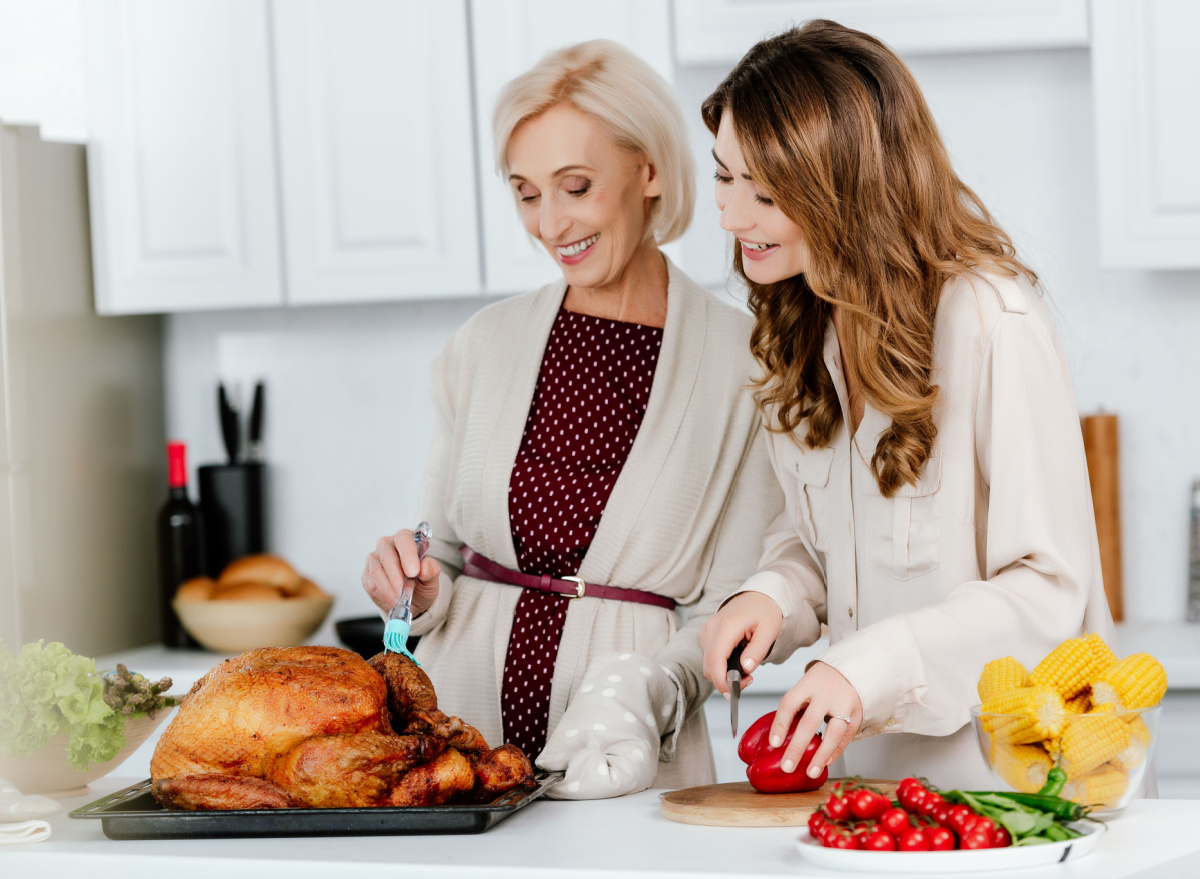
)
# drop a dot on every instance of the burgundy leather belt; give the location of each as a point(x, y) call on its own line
point(571, 587)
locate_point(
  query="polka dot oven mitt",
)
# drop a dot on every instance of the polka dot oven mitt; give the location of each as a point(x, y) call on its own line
point(608, 738)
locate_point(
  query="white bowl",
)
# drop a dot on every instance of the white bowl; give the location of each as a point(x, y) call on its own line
point(237, 626)
point(46, 770)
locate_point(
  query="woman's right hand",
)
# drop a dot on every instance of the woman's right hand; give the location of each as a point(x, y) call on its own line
point(749, 616)
point(394, 558)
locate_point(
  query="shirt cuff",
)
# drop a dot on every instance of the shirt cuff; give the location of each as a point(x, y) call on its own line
point(875, 676)
point(800, 624)
point(429, 619)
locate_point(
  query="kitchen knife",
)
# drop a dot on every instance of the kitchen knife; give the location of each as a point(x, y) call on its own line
point(254, 452)
point(229, 423)
point(733, 676)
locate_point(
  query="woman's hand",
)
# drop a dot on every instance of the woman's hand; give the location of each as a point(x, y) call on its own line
point(823, 693)
point(395, 558)
point(750, 616)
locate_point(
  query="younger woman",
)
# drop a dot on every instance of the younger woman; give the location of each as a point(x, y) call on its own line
point(923, 425)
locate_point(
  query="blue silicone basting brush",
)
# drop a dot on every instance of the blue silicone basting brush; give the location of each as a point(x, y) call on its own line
point(399, 621)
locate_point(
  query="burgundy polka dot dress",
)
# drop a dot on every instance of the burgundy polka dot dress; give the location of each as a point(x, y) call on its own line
point(589, 403)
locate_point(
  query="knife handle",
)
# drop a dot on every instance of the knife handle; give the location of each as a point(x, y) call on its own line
point(734, 663)
point(256, 420)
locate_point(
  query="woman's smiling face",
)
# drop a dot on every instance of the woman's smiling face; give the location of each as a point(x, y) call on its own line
point(585, 198)
point(773, 246)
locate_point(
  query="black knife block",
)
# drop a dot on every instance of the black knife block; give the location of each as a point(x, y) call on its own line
point(233, 502)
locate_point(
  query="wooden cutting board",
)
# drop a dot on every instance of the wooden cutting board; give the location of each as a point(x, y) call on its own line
point(737, 804)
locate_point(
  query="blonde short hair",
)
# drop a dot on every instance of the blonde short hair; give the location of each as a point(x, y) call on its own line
point(633, 103)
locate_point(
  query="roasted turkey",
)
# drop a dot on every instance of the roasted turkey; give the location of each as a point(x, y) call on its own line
point(319, 727)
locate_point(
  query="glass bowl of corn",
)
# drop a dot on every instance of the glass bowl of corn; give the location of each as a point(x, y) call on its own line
point(1080, 710)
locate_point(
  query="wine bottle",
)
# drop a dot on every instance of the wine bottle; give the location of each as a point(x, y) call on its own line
point(179, 544)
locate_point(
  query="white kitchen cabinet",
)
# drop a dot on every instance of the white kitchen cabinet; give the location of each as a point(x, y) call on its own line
point(376, 149)
point(508, 37)
point(720, 31)
point(181, 159)
point(1145, 70)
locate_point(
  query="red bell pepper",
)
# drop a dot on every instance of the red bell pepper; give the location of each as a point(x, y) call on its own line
point(763, 762)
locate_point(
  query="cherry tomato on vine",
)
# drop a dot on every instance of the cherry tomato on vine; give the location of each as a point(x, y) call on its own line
point(915, 840)
point(976, 839)
point(894, 821)
point(868, 804)
point(907, 785)
point(837, 808)
point(916, 797)
point(879, 840)
point(957, 817)
point(942, 839)
point(815, 820)
point(843, 840)
point(983, 824)
point(930, 802)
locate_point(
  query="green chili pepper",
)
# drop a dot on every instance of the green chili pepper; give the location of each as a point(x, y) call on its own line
point(1063, 810)
point(1055, 779)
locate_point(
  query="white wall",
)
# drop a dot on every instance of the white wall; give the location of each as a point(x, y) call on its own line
point(348, 421)
point(41, 67)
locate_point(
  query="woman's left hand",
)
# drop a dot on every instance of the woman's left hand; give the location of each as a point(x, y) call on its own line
point(823, 693)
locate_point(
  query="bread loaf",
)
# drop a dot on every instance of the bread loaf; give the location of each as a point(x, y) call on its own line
point(196, 589)
point(249, 592)
point(307, 589)
point(260, 568)
point(261, 577)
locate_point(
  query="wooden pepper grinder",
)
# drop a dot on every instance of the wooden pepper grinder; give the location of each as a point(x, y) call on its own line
point(1103, 463)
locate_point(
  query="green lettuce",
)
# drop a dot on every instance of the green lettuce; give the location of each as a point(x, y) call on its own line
point(46, 689)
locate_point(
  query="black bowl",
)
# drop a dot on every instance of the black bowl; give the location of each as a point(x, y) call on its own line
point(364, 635)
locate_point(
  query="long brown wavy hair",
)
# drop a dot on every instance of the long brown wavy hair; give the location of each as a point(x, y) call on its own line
point(834, 128)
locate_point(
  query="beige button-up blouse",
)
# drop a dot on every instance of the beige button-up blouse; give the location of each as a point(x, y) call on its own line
point(992, 553)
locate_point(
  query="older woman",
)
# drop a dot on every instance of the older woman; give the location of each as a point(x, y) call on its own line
point(598, 460)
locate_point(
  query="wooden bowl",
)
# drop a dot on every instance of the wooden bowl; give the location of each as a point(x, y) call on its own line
point(46, 770)
point(238, 626)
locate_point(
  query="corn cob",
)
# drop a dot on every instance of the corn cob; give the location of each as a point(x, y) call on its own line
point(999, 675)
point(1137, 726)
point(1073, 664)
point(1038, 714)
point(1137, 681)
point(1023, 767)
point(1139, 744)
point(1082, 703)
point(1090, 740)
point(1101, 788)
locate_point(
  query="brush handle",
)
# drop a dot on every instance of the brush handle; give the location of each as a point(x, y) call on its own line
point(403, 607)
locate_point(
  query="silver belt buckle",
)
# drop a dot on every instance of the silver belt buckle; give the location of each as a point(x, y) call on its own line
point(580, 587)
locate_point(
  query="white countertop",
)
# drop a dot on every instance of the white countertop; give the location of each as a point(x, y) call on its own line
point(1177, 646)
point(626, 838)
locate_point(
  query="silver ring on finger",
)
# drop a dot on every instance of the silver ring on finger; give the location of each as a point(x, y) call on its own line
point(848, 721)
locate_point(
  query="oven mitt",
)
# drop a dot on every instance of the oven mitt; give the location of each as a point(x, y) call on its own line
point(609, 737)
point(21, 816)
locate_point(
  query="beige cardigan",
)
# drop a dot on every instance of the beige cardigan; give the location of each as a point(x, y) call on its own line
point(992, 553)
point(685, 518)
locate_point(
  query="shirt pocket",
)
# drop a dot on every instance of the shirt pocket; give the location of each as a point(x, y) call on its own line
point(812, 496)
point(904, 532)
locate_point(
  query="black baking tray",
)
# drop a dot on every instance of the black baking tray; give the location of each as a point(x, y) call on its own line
point(133, 813)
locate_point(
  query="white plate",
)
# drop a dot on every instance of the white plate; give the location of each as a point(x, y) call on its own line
point(1011, 858)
